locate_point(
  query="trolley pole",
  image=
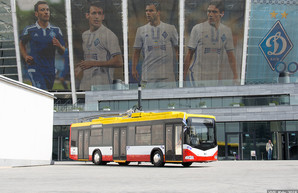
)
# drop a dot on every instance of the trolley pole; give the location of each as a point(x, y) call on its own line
point(139, 97)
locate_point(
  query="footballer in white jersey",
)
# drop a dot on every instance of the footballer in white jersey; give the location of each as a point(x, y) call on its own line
point(158, 48)
point(210, 45)
point(100, 45)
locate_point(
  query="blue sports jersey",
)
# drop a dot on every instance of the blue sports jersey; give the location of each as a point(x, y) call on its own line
point(43, 51)
point(41, 46)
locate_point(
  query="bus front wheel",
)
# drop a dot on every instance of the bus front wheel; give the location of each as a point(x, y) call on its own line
point(157, 159)
point(186, 164)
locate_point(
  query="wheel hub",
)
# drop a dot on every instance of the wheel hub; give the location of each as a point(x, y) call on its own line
point(156, 158)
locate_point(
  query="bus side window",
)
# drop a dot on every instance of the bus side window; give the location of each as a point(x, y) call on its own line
point(143, 135)
point(74, 138)
point(131, 135)
point(157, 135)
point(96, 137)
point(107, 136)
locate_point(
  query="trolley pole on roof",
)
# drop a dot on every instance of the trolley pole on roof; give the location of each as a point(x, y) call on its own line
point(139, 97)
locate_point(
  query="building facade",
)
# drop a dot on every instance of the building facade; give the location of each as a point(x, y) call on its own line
point(237, 61)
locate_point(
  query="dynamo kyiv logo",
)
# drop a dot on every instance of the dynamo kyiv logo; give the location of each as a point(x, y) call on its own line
point(276, 45)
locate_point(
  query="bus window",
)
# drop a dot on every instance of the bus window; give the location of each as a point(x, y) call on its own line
point(107, 136)
point(200, 133)
point(131, 135)
point(178, 140)
point(143, 135)
point(157, 135)
point(74, 137)
point(96, 137)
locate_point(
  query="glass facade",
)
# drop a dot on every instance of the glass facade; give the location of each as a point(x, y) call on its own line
point(271, 54)
point(8, 65)
point(245, 42)
point(236, 140)
point(247, 140)
point(60, 142)
point(194, 103)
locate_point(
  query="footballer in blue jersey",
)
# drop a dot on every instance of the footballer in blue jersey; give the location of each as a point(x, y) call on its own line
point(43, 39)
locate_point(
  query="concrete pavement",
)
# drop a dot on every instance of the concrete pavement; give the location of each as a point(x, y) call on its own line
point(221, 176)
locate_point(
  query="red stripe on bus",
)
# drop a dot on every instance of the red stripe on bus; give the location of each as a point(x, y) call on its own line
point(107, 158)
point(189, 156)
point(138, 158)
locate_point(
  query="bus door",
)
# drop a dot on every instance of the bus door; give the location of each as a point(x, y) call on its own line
point(119, 144)
point(83, 144)
point(173, 142)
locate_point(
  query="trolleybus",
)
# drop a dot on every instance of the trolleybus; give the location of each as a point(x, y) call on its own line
point(159, 138)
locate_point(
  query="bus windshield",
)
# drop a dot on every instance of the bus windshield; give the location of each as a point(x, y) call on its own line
point(200, 133)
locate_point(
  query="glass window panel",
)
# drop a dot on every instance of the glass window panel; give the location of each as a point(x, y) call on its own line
point(104, 104)
point(164, 103)
point(157, 135)
point(143, 139)
point(220, 132)
point(107, 136)
point(96, 132)
point(227, 101)
point(143, 129)
point(96, 140)
point(292, 125)
point(207, 102)
point(153, 104)
point(216, 102)
point(131, 136)
point(237, 100)
point(145, 104)
point(132, 104)
point(178, 140)
point(232, 127)
point(123, 105)
point(184, 103)
point(194, 103)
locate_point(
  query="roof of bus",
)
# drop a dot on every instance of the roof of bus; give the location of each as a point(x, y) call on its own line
point(141, 116)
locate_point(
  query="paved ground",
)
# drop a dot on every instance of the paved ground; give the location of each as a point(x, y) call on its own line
point(221, 176)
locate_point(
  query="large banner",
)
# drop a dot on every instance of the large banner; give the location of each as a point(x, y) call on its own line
point(97, 43)
point(214, 42)
point(271, 55)
point(43, 44)
point(153, 43)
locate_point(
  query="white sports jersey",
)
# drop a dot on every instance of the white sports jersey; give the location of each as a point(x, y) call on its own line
point(100, 45)
point(210, 45)
point(157, 44)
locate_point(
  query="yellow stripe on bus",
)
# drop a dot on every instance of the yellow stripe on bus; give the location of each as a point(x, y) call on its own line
point(173, 161)
point(119, 161)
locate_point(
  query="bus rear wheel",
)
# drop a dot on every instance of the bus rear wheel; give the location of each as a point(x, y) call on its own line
point(157, 159)
point(186, 164)
point(97, 158)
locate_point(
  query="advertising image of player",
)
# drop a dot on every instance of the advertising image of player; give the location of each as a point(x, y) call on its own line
point(43, 39)
point(101, 51)
point(158, 42)
point(208, 43)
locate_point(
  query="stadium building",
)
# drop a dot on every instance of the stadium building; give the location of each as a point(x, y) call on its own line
point(237, 62)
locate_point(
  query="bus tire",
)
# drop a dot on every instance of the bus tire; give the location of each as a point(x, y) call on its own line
point(186, 164)
point(157, 159)
point(97, 158)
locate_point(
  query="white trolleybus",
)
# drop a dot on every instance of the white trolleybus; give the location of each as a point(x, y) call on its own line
point(159, 138)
